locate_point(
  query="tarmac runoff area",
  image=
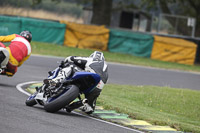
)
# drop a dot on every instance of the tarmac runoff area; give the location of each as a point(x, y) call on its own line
point(111, 115)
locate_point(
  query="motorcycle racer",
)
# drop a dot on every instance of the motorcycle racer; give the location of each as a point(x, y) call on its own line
point(16, 53)
point(95, 63)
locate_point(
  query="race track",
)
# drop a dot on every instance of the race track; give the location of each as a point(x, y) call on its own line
point(15, 117)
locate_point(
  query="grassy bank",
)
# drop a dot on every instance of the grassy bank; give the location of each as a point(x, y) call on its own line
point(178, 108)
point(50, 49)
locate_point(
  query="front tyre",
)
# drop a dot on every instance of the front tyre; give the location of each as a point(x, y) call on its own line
point(30, 102)
point(55, 104)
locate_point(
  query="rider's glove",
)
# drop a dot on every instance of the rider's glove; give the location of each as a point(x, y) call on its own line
point(62, 64)
point(9, 74)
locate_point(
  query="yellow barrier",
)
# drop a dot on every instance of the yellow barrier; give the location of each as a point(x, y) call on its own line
point(173, 50)
point(86, 36)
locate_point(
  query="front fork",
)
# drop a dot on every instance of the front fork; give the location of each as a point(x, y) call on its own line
point(40, 96)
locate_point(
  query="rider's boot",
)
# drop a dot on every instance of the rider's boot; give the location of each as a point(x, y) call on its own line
point(73, 106)
point(82, 105)
point(86, 107)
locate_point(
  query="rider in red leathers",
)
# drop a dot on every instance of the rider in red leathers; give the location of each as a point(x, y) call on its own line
point(16, 53)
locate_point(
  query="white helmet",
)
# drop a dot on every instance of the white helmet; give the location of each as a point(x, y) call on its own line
point(97, 56)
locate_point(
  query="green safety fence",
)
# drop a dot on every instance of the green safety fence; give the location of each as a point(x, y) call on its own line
point(45, 31)
point(9, 25)
point(42, 30)
point(133, 43)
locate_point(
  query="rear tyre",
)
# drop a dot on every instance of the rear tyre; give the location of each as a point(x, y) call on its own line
point(60, 102)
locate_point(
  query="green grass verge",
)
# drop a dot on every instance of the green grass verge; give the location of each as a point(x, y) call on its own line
point(63, 51)
point(178, 108)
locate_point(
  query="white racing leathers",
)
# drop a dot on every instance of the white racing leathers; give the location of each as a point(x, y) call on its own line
point(90, 65)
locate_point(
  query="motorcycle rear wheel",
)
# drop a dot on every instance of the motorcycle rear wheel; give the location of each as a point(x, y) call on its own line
point(63, 100)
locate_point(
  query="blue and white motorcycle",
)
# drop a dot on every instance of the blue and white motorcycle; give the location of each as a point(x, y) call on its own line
point(64, 84)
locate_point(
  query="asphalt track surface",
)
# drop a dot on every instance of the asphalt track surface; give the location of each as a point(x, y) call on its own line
point(15, 117)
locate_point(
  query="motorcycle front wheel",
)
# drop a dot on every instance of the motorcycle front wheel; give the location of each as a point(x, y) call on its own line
point(30, 102)
point(55, 104)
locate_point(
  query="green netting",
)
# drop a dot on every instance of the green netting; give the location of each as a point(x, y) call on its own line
point(127, 42)
point(42, 30)
point(9, 25)
point(45, 31)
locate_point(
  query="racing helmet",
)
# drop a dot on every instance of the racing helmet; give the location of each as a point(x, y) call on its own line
point(27, 35)
point(97, 56)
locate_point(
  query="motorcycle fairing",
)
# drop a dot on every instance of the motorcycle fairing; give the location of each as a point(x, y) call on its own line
point(87, 80)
